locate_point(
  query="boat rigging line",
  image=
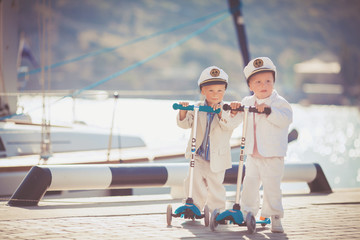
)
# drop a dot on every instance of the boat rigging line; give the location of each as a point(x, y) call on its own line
point(128, 43)
point(219, 19)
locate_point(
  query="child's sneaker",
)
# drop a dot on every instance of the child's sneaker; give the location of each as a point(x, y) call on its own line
point(276, 226)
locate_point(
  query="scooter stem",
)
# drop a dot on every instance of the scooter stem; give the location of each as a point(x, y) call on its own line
point(242, 155)
point(193, 151)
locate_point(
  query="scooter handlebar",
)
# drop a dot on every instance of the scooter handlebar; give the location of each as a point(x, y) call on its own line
point(177, 106)
point(227, 107)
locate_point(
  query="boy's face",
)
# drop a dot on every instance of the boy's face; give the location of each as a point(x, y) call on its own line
point(214, 94)
point(262, 84)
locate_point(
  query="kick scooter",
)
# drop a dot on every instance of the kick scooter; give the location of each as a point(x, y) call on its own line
point(235, 215)
point(190, 210)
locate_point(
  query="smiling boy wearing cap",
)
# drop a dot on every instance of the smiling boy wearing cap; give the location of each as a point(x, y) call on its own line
point(213, 152)
point(266, 142)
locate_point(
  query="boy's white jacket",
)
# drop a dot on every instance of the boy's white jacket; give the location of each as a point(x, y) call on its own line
point(220, 134)
point(271, 130)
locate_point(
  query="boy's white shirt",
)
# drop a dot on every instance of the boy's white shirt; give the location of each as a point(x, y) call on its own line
point(271, 130)
point(220, 134)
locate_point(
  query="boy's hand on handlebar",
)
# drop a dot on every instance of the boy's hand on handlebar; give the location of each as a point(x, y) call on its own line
point(184, 104)
point(183, 112)
point(235, 105)
point(261, 107)
point(217, 106)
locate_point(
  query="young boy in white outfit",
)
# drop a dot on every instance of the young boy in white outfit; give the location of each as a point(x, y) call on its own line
point(213, 151)
point(266, 142)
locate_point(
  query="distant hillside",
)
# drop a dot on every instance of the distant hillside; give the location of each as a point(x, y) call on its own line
point(289, 32)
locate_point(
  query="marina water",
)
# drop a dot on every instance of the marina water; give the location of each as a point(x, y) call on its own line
point(328, 135)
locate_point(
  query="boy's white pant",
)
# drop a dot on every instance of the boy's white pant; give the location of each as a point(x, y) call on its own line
point(269, 172)
point(208, 188)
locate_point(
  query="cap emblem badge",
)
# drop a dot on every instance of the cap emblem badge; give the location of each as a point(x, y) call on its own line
point(258, 63)
point(214, 72)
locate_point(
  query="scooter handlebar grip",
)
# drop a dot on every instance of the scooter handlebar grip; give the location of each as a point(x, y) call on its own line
point(177, 106)
point(266, 111)
point(227, 107)
point(208, 109)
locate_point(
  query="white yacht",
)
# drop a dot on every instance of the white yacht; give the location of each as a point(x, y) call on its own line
point(22, 136)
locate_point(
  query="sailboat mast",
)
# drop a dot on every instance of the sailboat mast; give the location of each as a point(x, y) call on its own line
point(235, 9)
point(44, 23)
point(9, 39)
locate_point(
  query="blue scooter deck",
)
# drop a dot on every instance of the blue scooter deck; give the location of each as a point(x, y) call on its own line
point(188, 210)
point(236, 217)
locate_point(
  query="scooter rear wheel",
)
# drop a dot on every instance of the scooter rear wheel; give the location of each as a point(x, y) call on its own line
point(213, 222)
point(206, 215)
point(251, 223)
point(169, 215)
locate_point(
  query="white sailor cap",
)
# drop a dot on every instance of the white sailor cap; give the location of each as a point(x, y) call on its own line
point(212, 75)
point(259, 64)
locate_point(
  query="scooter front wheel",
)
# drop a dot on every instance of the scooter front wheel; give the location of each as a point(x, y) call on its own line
point(169, 215)
point(251, 223)
point(213, 222)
